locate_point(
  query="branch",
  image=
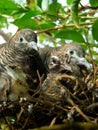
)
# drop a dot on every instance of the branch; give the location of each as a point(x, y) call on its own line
point(72, 126)
point(63, 26)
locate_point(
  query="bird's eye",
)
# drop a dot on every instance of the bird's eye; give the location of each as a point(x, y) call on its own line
point(55, 60)
point(71, 52)
point(21, 39)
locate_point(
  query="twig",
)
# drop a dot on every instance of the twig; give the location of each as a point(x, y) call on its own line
point(79, 110)
point(21, 111)
point(53, 121)
point(26, 121)
point(63, 26)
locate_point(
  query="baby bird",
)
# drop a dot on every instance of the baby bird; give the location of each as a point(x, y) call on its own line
point(13, 51)
point(65, 72)
point(21, 53)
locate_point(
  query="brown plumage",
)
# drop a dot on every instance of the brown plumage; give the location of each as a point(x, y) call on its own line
point(71, 55)
point(77, 55)
point(65, 72)
point(75, 51)
point(5, 83)
point(45, 54)
point(26, 38)
point(21, 52)
point(12, 86)
point(12, 52)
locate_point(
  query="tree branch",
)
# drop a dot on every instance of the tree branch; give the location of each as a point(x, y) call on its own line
point(63, 26)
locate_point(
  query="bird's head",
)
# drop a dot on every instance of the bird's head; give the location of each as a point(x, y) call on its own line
point(73, 50)
point(76, 54)
point(25, 38)
point(59, 62)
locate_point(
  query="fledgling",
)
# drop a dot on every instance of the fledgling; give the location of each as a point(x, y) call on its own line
point(21, 53)
point(65, 72)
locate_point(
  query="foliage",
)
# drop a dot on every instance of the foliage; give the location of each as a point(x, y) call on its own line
point(54, 22)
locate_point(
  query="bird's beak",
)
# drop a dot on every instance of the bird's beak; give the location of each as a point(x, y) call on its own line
point(33, 45)
point(84, 62)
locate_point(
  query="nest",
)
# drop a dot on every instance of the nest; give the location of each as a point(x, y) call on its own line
point(61, 99)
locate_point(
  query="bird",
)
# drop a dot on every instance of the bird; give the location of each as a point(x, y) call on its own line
point(21, 53)
point(43, 52)
point(18, 44)
point(52, 89)
point(65, 71)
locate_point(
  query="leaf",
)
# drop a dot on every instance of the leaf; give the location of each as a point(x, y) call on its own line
point(70, 35)
point(31, 14)
point(54, 8)
point(69, 2)
point(32, 4)
point(95, 30)
point(74, 11)
point(39, 3)
point(26, 23)
point(93, 3)
point(46, 25)
point(7, 7)
point(27, 20)
point(3, 21)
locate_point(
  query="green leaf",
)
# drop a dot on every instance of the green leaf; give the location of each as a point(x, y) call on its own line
point(31, 14)
point(26, 23)
point(46, 25)
point(74, 11)
point(27, 20)
point(95, 30)
point(3, 22)
point(39, 2)
point(54, 8)
point(70, 35)
point(7, 7)
point(32, 4)
point(93, 3)
point(69, 2)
